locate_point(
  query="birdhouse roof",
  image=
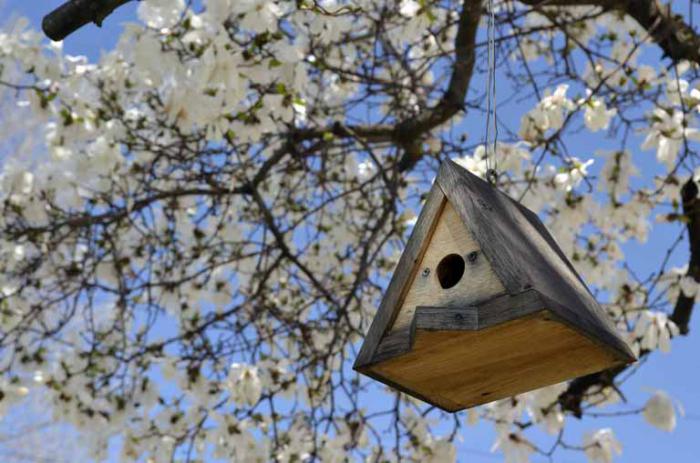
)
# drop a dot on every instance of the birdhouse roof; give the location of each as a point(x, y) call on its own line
point(523, 255)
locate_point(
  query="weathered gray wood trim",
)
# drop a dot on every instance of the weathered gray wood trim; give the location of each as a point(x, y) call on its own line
point(403, 275)
point(539, 226)
point(395, 343)
point(446, 318)
point(494, 311)
point(509, 307)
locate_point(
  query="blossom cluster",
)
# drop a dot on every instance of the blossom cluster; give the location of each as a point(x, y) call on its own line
point(196, 228)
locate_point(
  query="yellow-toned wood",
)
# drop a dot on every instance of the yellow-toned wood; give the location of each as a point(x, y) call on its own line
point(478, 283)
point(474, 367)
point(518, 318)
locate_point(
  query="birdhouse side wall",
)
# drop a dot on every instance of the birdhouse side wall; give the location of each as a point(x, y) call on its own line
point(524, 255)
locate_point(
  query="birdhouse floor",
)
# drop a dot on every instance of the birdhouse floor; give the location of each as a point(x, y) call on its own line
point(460, 369)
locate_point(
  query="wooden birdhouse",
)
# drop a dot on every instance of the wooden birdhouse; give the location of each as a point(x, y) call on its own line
point(484, 305)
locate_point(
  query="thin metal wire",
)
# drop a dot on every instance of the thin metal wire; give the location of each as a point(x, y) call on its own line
point(491, 120)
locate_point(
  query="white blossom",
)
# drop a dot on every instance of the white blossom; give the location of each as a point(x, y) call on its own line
point(441, 450)
point(659, 412)
point(597, 116)
point(160, 13)
point(244, 384)
point(548, 114)
point(571, 177)
point(646, 74)
point(616, 172)
point(515, 448)
point(601, 446)
point(544, 410)
point(366, 169)
point(655, 330)
point(259, 15)
point(689, 286)
point(676, 89)
point(409, 8)
point(667, 134)
point(434, 144)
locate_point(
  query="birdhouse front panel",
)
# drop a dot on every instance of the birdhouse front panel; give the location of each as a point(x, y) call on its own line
point(484, 305)
point(452, 273)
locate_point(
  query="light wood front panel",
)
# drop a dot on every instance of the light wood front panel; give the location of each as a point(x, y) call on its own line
point(478, 283)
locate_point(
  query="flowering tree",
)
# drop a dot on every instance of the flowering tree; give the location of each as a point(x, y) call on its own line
point(196, 229)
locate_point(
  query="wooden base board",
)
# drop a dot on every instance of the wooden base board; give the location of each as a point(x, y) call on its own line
point(461, 369)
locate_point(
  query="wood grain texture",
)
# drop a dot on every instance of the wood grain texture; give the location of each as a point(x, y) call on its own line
point(395, 343)
point(403, 275)
point(519, 318)
point(542, 230)
point(498, 309)
point(446, 318)
point(479, 282)
point(468, 368)
point(494, 311)
point(439, 402)
point(524, 255)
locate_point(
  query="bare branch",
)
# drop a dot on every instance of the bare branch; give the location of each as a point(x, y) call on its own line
point(691, 207)
point(677, 39)
point(572, 398)
point(74, 14)
point(409, 131)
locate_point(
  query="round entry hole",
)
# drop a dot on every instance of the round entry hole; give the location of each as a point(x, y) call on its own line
point(450, 270)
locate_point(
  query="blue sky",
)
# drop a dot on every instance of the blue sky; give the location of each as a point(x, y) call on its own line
point(677, 373)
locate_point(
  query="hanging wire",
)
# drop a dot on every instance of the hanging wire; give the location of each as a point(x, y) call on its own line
point(491, 120)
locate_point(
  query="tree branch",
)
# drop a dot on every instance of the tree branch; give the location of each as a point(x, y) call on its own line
point(74, 14)
point(572, 398)
point(676, 38)
point(691, 207)
point(408, 132)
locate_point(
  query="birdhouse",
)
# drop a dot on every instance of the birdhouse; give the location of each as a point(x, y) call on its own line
point(484, 304)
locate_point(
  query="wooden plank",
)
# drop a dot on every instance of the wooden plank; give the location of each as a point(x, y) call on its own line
point(434, 400)
point(614, 344)
point(478, 208)
point(395, 343)
point(537, 223)
point(473, 367)
point(403, 275)
point(445, 318)
point(509, 307)
point(478, 282)
point(499, 309)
